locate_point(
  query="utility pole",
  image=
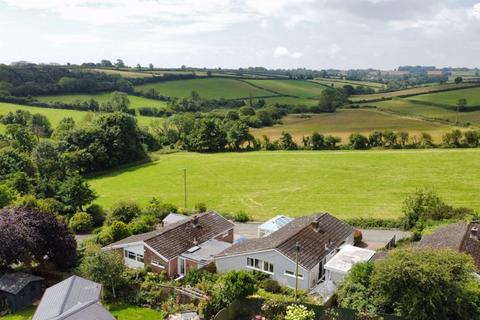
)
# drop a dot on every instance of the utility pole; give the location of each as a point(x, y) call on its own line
point(297, 252)
point(185, 185)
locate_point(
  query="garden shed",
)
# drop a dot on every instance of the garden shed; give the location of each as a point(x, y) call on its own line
point(20, 290)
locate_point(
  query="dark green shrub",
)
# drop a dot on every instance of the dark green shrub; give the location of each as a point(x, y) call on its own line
point(81, 222)
point(119, 230)
point(201, 207)
point(97, 213)
point(125, 211)
point(241, 216)
point(274, 310)
point(270, 285)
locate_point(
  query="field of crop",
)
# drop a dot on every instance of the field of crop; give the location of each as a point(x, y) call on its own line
point(418, 90)
point(55, 115)
point(337, 83)
point(290, 100)
point(451, 97)
point(213, 88)
point(347, 121)
point(125, 73)
point(135, 102)
point(410, 108)
point(301, 89)
point(345, 183)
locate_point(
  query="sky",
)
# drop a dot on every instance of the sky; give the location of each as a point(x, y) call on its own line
point(315, 34)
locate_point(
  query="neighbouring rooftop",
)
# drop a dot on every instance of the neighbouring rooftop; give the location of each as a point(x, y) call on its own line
point(343, 261)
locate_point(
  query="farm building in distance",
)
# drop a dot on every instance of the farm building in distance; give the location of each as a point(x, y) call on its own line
point(19, 290)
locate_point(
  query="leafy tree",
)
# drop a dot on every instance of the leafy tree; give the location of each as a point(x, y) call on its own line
point(247, 111)
point(13, 161)
point(105, 267)
point(462, 105)
point(28, 235)
point(331, 99)
point(208, 135)
point(317, 141)
point(97, 213)
point(471, 138)
point(81, 222)
point(20, 117)
point(21, 138)
point(458, 80)
point(7, 195)
point(120, 102)
point(238, 134)
point(453, 138)
point(40, 125)
point(358, 141)
point(125, 211)
point(119, 64)
point(74, 193)
point(417, 284)
point(331, 142)
point(286, 142)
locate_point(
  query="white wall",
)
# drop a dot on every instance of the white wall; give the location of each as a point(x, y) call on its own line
point(138, 249)
point(280, 265)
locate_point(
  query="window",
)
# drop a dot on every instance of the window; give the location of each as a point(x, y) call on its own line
point(292, 274)
point(260, 265)
point(133, 256)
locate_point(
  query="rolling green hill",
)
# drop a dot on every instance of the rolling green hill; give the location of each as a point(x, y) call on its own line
point(451, 97)
point(211, 88)
point(337, 83)
point(301, 89)
point(347, 184)
point(135, 102)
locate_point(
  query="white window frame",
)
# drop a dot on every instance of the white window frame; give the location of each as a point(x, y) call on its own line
point(261, 265)
point(291, 274)
point(132, 256)
point(157, 264)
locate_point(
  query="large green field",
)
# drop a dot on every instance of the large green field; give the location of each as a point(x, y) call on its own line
point(345, 183)
point(410, 108)
point(135, 102)
point(55, 115)
point(451, 97)
point(412, 91)
point(212, 88)
point(301, 89)
point(338, 83)
point(347, 121)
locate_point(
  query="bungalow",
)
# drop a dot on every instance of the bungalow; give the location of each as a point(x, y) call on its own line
point(462, 237)
point(314, 240)
point(178, 247)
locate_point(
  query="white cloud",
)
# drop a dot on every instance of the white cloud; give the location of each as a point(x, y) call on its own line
point(474, 12)
point(60, 40)
point(281, 52)
point(333, 50)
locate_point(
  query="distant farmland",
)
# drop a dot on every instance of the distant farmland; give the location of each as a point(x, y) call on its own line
point(135, 102)
point(301, 89)
point(348, 184)
point(212, 88)
point(451, 97)
point(337, 83)
point(347, 121)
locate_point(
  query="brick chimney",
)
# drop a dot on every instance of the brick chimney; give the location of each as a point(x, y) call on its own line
point(195, 221)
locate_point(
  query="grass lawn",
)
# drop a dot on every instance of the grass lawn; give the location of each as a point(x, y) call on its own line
point(26, 314)
point(419, 90)
point(264, 184)
point(451, 97)
point(347, 121)
point(135, 102)
point(55, 115)
point(337, 83)
point(411, 108)
point(301, 89)
point(290, 100)
point(212, 88)
point(127, 312)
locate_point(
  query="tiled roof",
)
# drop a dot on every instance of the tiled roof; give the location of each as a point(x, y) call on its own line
point(457, 237)
point(316, 235)
point(14, 282)
point(73, 298)
point(174, 239)
point(181, 236)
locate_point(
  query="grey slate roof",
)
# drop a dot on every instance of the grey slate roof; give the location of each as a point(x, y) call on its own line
point(455, 236)
point(73, 298)
point(14, 282)
point(331, 232)
point(174, 239)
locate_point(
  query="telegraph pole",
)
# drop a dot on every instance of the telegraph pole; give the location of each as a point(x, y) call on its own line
point(297, 251)
point(185, 186)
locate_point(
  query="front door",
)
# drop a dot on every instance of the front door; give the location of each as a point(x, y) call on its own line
point(181, 266)
point(321, 270)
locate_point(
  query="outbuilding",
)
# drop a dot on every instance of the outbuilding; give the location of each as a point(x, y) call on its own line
point(19, 290)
